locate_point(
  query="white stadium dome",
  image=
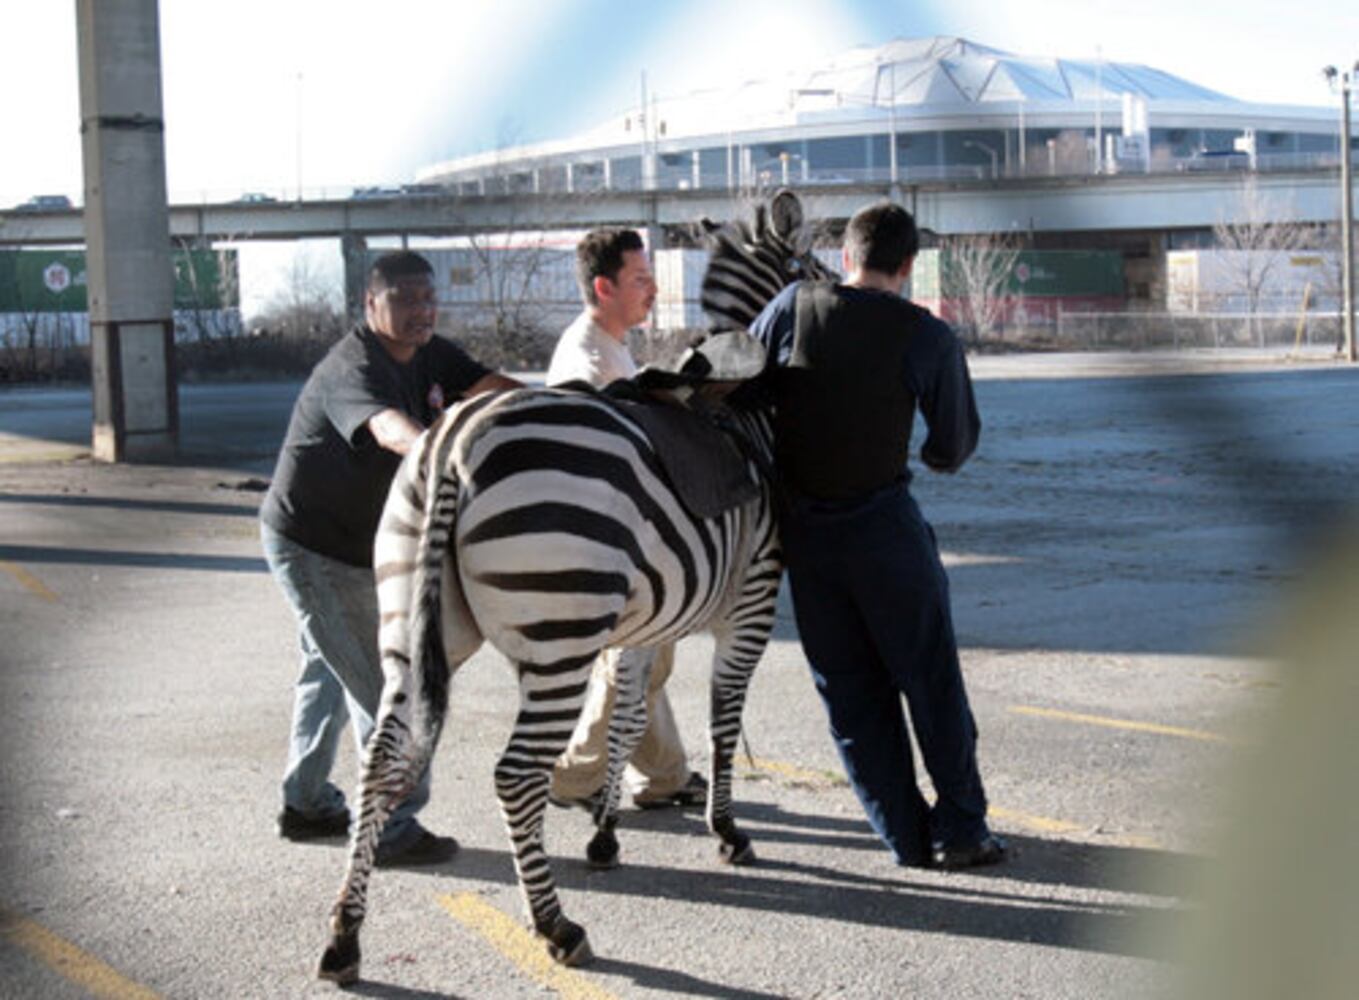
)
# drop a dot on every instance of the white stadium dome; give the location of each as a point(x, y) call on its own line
point(948, 108)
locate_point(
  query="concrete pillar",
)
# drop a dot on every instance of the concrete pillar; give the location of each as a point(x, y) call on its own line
point(355, 251)
point(127, 231)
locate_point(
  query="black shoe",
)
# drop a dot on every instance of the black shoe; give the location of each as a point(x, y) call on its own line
point(692, 794)
point(293, 825)
point(424, 848)
point(990, 850)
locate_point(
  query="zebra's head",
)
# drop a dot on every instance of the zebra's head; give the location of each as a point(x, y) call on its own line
point(751, 262)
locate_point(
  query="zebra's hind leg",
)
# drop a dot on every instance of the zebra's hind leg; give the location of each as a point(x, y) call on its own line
point(631, 669)
point(550, 699)
point(390, 769)
point(733, 663)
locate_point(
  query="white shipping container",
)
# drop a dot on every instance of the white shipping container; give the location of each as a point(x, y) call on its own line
point(1220, 281)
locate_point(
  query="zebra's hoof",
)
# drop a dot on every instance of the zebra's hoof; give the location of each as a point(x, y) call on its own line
point(340, 962)
point(736, 849)
point(567, 943)
point(602, 851)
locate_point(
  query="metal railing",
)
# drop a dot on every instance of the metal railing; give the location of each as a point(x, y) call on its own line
point(513, 180)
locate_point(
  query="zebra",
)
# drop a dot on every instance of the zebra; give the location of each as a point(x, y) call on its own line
point(540, 520)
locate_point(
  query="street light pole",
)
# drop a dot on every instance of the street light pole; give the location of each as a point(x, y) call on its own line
point(299, 135)
point(892, 122)
point(1346, 207)
point(1347, 216)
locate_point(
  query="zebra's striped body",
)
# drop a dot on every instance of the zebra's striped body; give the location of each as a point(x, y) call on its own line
point(540, 520)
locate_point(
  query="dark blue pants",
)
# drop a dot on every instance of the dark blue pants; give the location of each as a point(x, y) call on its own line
point(872, 606)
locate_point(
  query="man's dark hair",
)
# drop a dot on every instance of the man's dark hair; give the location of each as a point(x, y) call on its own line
point(881, 238)
point(391, 267)
point(600, 254)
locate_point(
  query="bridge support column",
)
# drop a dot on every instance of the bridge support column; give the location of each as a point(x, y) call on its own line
point(129, 274)
point(355, 251)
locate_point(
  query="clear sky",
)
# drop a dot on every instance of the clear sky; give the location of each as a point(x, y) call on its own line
point(350, 92)
point(374, 89)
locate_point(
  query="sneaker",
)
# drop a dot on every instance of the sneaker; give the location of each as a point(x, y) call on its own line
point(296, 826)
point(990, 850)
point(692, 794)
point(424, 848)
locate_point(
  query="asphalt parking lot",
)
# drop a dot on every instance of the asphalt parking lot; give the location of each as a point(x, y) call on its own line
point(1123, 550)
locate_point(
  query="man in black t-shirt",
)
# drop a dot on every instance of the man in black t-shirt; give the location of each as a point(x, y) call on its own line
point(360, 411)
point(850, 363)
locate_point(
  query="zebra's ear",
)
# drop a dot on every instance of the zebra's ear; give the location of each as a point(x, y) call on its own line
point(785, 214)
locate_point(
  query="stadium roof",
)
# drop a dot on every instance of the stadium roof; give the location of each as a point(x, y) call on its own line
point(944, 75)
point(943, 79)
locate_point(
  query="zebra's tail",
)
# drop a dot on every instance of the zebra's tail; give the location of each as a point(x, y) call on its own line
point(434, 555)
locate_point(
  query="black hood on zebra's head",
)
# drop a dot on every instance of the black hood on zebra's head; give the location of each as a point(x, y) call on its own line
point(751, 262)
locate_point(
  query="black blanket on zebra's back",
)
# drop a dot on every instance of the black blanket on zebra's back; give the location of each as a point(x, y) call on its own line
point(705, 467)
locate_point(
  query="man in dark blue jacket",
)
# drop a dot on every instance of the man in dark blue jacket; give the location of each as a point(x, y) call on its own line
point(849, 364)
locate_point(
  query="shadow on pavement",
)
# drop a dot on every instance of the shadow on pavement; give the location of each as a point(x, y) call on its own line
point(143, 560)
point(923, 902)
point(671, 981)
point(124, 503)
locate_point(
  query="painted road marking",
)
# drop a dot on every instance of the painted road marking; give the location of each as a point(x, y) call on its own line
point(1099, 720)
point(70, 962)
point(1043, 824)
point(1029, 821)
point(521, 947)
point(29, 582)
point(798, 775)
point(1032, 822)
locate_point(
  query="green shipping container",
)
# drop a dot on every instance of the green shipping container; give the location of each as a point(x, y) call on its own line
point(53, 281)
point(1036, 273)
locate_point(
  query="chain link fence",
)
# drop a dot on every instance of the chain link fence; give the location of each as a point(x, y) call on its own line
point(1133, 331)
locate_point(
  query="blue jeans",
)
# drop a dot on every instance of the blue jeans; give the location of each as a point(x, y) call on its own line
point(341, 678)
point(872, 606)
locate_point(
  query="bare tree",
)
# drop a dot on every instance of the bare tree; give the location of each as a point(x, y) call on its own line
point(975, 273)
point(1329, 274)
point(211, 286)
point(1258, 242)
point(508, 268)
point(307, 306)
point(511, 287)
point(36, 324)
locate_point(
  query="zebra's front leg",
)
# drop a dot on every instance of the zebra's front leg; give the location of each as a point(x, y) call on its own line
point(631, 671)
point(550, 698)
point(731, 678)
point(392, 765)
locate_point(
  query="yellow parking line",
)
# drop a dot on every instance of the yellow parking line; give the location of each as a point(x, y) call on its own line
point(1032, 822)
point(69, 961)
point(792, 772)
point(30, 582)
point(1099, 720)
point(1029, 821)
point(521, 947)
point(1043, 824)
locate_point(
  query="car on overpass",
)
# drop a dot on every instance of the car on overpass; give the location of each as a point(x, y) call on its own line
point(45, 203)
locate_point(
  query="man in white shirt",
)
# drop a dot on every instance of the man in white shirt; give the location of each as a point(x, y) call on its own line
point(619, 290)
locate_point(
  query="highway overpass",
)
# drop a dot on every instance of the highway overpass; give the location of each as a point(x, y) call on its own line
point(1077, 204)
